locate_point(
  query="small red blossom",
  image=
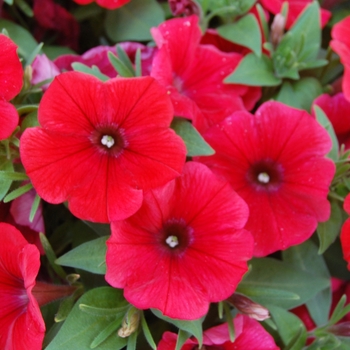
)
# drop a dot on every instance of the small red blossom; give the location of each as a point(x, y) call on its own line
point(184, 7)
point(341, 45)
point(249, 334)
point(11, 81)
point(295, 8)
point(185, 247)
point(275, 160)
point(345, 233)
point(101, 144)
point(21, 324)
point(337, 109)
point(108, 4)
point(193, 74)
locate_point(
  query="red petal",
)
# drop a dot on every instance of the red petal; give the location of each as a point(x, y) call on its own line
point(8, 119)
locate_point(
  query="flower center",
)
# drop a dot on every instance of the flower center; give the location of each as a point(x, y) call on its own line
point(172, 241)
point(107, 140)
point(265, 175)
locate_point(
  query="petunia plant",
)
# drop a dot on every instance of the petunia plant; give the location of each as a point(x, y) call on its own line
point(174, 174)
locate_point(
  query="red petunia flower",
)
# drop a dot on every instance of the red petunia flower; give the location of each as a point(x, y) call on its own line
point(101, 144)
point(341, 45)
point(108, 4)
point(295, 8)
point(11, 81)
point(193, 74)
point(21, 324)
point(185, 247)
point(337, 109)
point(345, 233)
point(249, 334)
point(275, 161)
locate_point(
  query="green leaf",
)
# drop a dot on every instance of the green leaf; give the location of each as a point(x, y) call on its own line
point(5, 184)
point(89, 256)
point(100, 229)
point(13, 176)
point(134, 20)
point(147, 332)
point(104, 312)
point(300, 46)
point(131, 345)
point(34, 207)
point(305, 257)
point(138, 67)
point(181, 338)
point(18, 192)
point(328, 231)
point(53, 52)
point(254, 71)
point(24, 7)
point(32, 56)
point(300, 94)
point(94, 70)
point(23, 110)
point(25, 41)
point(245, 32)
point(192, 327)
point(195, 144)
point(108, 331)
point(324, 121)
point(81, 329)
point(290, 327)
point(30, 121)
point(120, 67)
point(273, 274)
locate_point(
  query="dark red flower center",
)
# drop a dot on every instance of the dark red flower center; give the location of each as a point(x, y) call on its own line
point(265, 175)
point(110, 140)
point(176, 235)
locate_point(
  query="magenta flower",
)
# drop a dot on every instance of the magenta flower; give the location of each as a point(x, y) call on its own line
point(11, 81)
point(185, 247)
point(102, 144)
point(345, 233)
point(341, 45)
point(275, 160)
point(108, 4)
point(249, 334)
point(21, 324)
point(193, 74)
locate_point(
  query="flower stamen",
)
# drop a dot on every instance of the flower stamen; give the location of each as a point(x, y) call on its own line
point(264, 178)
point(172, 241)
point(107, 141)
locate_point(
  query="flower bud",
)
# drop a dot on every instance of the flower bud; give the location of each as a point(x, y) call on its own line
point(277, 29)
point(248, 307)
point(184, 7)
point(130, 322)
point(341, 329)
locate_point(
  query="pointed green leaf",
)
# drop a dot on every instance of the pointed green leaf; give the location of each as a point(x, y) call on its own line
point(103, 312)
point(195, 144)
point(134, 20)
point(131, 345)
point(94, 70)
point(81, 329)
point(13, 176)
point(182, 336)
point(122, 55)
point(120, 66)
point(324, 121)
point(18, 192)
point(5, 184)
point(34, 207)
point(147, 332)
point(109, 330)
point(245, 32)
point(254, 71)
point(89, 256)
point(35, 52)
point(192, 327)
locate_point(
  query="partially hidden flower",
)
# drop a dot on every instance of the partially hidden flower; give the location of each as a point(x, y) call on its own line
point(345, 233)
point(337, 109)
point(249, 334)
point(295, 8)
point(11, 81)
point(101, 144)
point(193, 73)
point(21, 324)
point(184, 248)
point(275, 160)
point(184, 7)
point(108, 4)
point(43, 69)
point(341, 45)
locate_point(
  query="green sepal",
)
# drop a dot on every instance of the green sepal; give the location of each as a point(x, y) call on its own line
point(94, 70)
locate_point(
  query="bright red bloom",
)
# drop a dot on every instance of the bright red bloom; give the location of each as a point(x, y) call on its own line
point(249, 334)
point(295, 8)
point(101, 144)
point(341, 45)
point(108, 4)
point(337, 109)
point(193, 74)
point(21, 324)
point(11, 81)
point(275, 161)
point(185, 247)
point(345, 233)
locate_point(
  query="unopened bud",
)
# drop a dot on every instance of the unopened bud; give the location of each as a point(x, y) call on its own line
point(184, 7)
point(28, 74)
point(277, 29)
point(72, 278)
point(341, 329)
point(248, 307)
point(130, 322)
